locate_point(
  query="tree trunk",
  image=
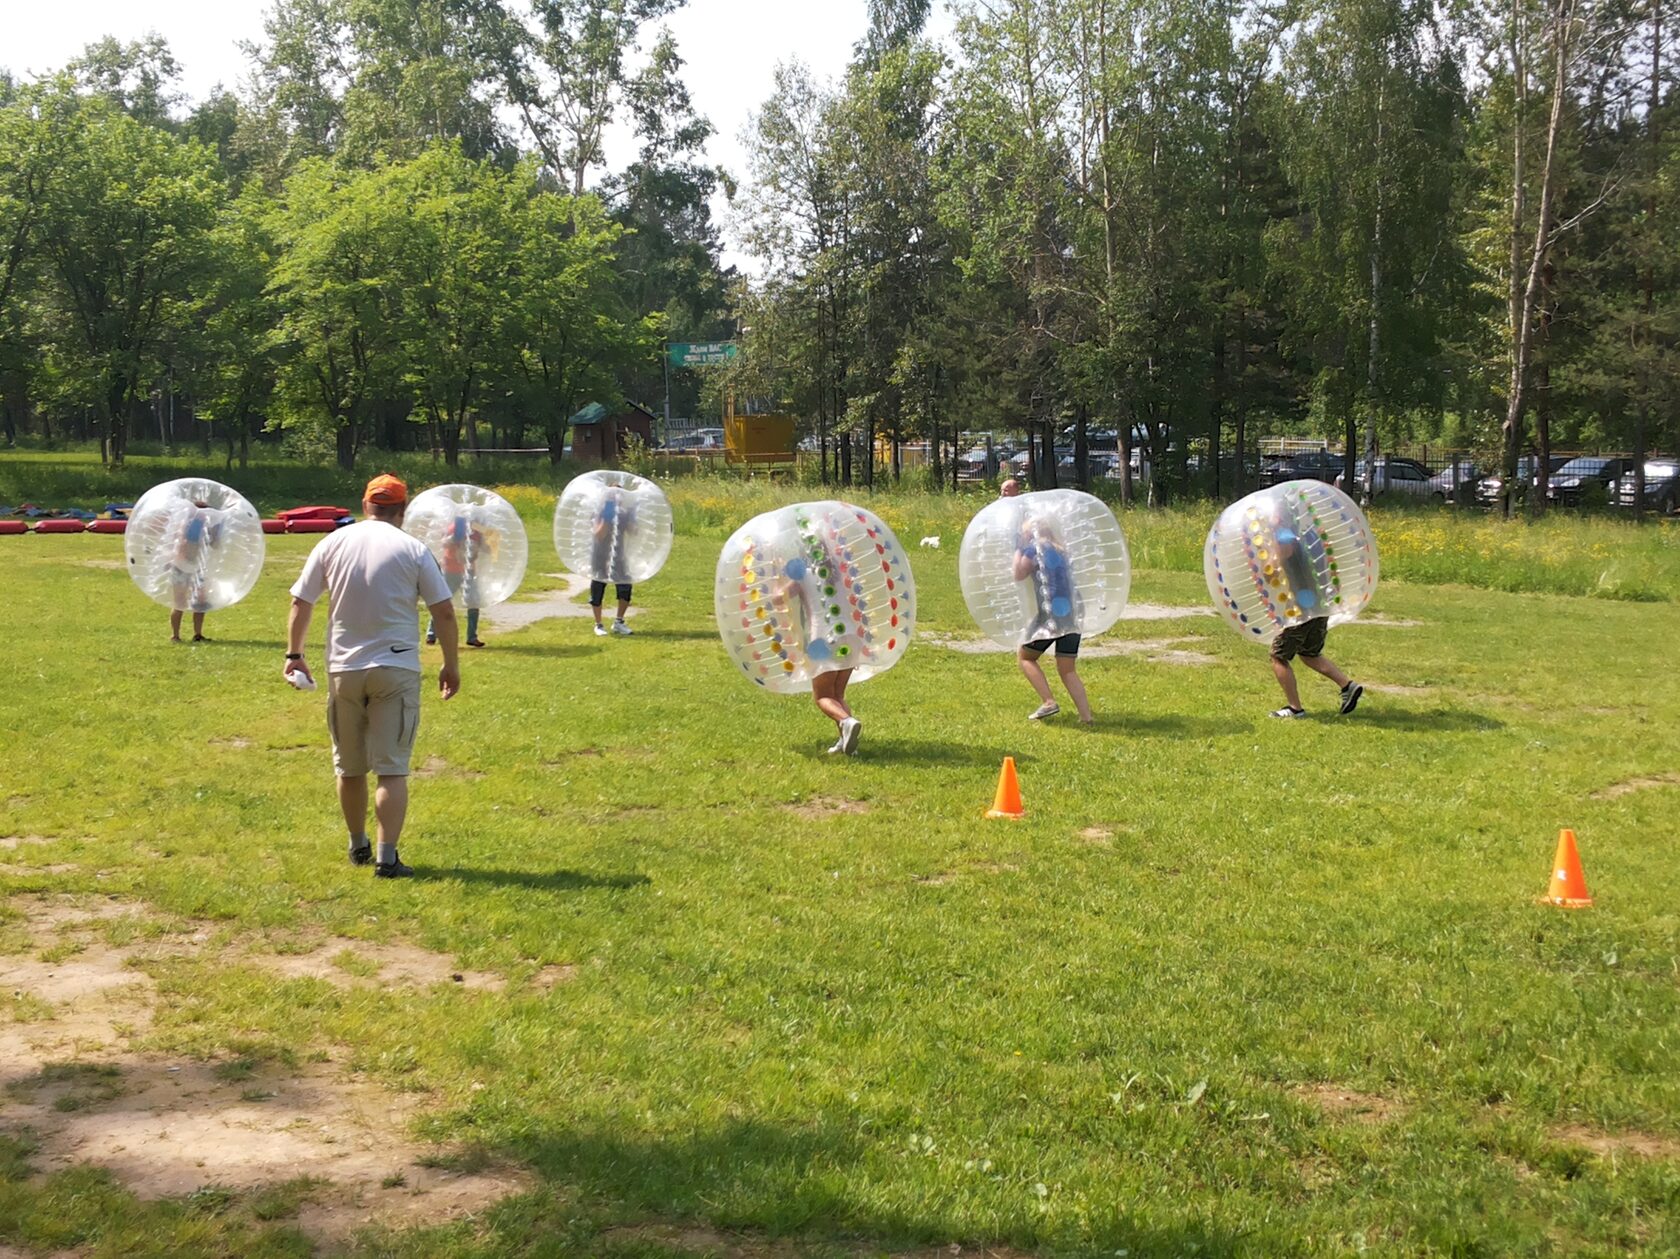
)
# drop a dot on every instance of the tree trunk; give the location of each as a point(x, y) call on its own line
point(1081, 448)
point(346, 444)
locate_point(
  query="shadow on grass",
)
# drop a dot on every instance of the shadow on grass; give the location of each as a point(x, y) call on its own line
point(1170, 726)
point(1432, 720)
point(536, 880)
point(494, 647)
point(667, 635)
point(660, 1195)
point(926, 752)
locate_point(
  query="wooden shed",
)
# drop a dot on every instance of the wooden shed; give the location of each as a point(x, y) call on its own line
point(600, 436)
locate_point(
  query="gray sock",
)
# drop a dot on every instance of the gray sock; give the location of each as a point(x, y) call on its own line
point(387, 853)
point(358, 841)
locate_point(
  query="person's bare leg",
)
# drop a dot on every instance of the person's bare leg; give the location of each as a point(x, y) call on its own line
point(353, 801)
point(1286, 679)
point(828, 696)
point(1326, 666)
point(198, 625)
point(175, 626)
point(623, 607)
point(1035, 674)
point(390, 807)
point(1068, 668)
point(596, 609)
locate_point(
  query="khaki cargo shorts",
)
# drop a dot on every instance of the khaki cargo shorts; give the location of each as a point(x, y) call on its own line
point(373, 715)
point(1305, 639)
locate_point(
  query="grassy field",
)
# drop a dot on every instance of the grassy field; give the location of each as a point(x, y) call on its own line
point(1235, 987)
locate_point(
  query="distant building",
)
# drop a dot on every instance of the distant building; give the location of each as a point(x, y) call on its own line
point(600, 436)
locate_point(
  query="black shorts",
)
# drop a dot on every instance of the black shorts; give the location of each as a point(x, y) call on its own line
point(1305, 639)
point(1066, 645)
point(598, 590)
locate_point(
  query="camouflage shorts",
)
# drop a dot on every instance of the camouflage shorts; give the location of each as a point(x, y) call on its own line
point(1305, 639)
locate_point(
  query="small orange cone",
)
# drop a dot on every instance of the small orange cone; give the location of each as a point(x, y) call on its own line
point(1569, 884)
point(1007, 802)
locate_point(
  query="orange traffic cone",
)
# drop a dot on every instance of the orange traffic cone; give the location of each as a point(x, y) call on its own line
point(1569, 884)
point(1007, 802)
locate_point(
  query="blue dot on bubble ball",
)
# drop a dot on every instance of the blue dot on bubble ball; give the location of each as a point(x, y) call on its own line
point(1059, 606)
point(817, 650)
point(1285, 536)
point(796, 569)
point(1306, 598)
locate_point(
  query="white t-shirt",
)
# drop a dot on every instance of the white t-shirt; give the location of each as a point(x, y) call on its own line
point(375, 574)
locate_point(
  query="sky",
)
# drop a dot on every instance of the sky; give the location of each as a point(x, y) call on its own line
point(731, 48)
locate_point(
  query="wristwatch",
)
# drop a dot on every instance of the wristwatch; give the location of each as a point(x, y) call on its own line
point(294, 655)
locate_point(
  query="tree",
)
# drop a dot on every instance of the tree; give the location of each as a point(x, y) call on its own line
point(230, 361)
point(124, 229)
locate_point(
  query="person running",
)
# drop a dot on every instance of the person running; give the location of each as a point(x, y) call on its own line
point(374, 574)
point(1305, 639)
point(201, 530)
point(614, 524)
point(1041, 558)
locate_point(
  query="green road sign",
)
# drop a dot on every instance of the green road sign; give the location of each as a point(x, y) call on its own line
point(701, 353)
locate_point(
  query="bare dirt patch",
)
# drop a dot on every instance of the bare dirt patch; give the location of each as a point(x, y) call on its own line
point(1096, 836)
point(1617, 1144)
point(553, 975)
point(165, 1126)
point(518, 613)
point(347, 963)
point(18, 841)
point(1630, 785)
point(1392, 622)
point(1396, 688)
point(237, 742)
point(57, 867)
point(826, 806)
point(1163, 611)
point(117, 565)
point(1155, 650)
point(711, 1241)
point(1348, 1104)
point(435, 766)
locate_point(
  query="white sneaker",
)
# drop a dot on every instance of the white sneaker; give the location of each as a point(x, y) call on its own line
point(850, 729)
point(1044, 710)
point(836, 749)
point(600, 630)
point(622, 630)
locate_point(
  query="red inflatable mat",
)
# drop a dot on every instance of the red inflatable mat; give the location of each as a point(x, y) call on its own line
point(329, 514)
point(61, 526)
point(13, 526)
point(274, 526)
point(107, 526)
point(311, 526)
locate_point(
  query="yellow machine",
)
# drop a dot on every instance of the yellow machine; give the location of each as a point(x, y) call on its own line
point(763, 440)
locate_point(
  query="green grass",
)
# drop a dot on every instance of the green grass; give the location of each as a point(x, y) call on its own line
point(910, 1026)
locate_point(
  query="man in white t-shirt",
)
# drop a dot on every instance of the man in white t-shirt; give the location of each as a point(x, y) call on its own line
point(374, 575)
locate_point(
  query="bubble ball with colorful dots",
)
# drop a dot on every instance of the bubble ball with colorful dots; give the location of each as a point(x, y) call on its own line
point(1287, 555)
point(194, 545)
point(814, 588)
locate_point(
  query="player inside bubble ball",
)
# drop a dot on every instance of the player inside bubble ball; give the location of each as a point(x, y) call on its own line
point(195, 543)
point(1306, 638)
point(465, 546)
point(828, 688)
point(614, 524)
point(1041, 557)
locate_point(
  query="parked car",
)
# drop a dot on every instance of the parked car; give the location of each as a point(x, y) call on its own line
point(1100, 463)
point(1393, 476)
point(1567, 486)
point(1490, 488)
point(1662, 487)
point(1457, 481)
point(1311, 465)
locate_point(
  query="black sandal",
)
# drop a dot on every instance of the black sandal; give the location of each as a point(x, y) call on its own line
point(199, 638)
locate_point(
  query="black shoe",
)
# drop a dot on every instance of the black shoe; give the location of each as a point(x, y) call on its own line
point(392, 870)
point(1350, 697)
point(361, 854)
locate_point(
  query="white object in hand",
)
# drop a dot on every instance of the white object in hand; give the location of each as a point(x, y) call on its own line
point(298, 678)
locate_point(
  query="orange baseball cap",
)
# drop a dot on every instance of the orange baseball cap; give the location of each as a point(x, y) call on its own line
point(386, 490)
